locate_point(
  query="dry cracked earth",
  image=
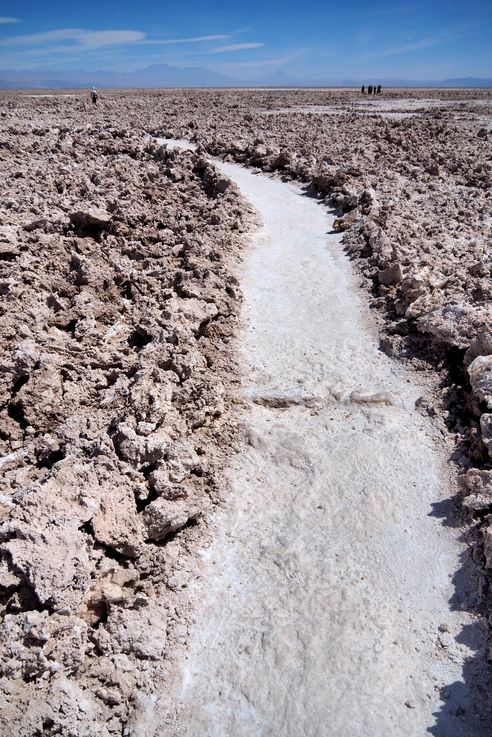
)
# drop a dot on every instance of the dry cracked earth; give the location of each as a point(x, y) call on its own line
point(118, 371)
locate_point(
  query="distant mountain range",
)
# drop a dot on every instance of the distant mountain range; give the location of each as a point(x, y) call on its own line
point(164, 75)
point(156, 75)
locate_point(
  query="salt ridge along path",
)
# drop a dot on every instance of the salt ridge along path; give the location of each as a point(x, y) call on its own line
point(329, 575)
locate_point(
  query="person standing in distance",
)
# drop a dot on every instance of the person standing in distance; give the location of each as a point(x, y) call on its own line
point(94, 96)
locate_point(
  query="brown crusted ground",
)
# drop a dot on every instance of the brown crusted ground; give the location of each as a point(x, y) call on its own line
point(115, 365)
point(118, 303)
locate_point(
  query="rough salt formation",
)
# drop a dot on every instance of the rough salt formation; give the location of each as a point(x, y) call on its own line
point(120, 307)
point(411, 180)
point(410, 175)
point(119, 303)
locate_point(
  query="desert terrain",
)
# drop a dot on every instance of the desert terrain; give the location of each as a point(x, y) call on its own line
point(142, 372)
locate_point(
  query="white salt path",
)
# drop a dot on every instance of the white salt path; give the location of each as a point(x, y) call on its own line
point(329, 573)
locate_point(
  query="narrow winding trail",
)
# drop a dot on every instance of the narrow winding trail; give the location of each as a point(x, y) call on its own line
point(330, 571)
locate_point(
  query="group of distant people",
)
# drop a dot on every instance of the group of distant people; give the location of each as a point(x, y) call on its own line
point(371, 89)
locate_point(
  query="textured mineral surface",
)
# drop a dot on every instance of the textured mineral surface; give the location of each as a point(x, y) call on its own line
point(409, 175)
point(118, 304)
point(119, 309)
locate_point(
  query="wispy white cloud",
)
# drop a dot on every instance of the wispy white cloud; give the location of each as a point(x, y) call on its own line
point(236, 47)
point(66, 40)
point(424, 43)
point(193, 39)
point(5, 20)
point(75, 44)
point(80, 38)
point(242, 29)
point(276, 61)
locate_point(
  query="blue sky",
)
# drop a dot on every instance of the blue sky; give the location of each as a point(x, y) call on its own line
point(308, 39)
